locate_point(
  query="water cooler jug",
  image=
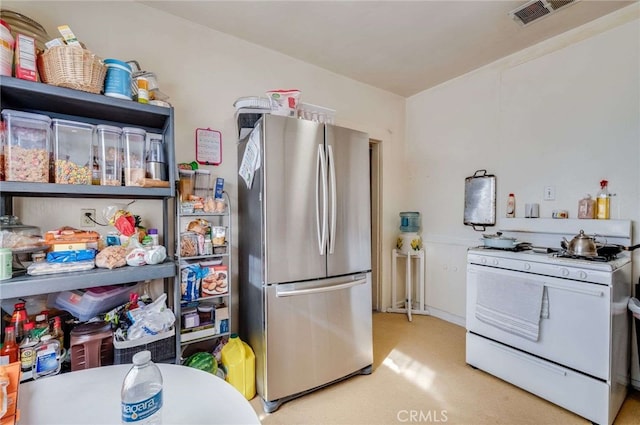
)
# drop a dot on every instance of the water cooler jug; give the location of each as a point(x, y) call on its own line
point(409, 239)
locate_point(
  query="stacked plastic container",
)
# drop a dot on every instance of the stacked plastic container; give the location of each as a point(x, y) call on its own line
point(110, 155)
point(72, 151)
point(134, 140)
point(27, 146)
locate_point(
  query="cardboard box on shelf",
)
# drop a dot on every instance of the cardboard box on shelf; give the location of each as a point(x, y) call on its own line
point(25, 58)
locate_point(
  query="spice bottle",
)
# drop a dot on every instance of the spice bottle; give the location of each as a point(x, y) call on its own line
point(511, 206)
point(587, 207)
point(603, 201)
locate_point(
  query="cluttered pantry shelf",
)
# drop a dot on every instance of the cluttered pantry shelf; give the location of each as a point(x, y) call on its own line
point(44, 98)
point(24, 286)
point(218, 301)
point(75, 105)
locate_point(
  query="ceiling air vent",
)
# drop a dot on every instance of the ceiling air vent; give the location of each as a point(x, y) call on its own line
point(536, 9)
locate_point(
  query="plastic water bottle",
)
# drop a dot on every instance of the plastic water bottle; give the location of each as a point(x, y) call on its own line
point(141, 395)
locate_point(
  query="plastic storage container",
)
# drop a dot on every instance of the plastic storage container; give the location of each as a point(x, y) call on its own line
point(110, 155)
point(48, 357)
point(85, 305)
point(117, 82)
point(186, 184)
point(409, 221)
point(72, 151)
point(162, 347)
point(27, 146)
point(240, 363)
point(202, 182)
point(134, 140)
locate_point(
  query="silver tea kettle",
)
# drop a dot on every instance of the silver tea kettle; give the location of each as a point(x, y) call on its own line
point(581, 244)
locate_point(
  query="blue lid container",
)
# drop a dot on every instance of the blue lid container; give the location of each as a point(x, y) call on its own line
point(117, 82)
point(409, 221)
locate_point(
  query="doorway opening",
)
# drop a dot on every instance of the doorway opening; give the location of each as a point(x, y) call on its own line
point(375, 167)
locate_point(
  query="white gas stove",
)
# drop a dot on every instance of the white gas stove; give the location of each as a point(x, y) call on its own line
point(557, 327)
point(548, 264)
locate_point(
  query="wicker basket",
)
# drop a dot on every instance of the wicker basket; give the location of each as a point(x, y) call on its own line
point(72, 67)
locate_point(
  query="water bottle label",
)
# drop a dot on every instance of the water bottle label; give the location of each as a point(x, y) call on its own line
point(135, 412)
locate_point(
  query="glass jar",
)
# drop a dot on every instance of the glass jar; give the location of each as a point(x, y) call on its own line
point(110, 155)
point(205, 312)
point(134, 167)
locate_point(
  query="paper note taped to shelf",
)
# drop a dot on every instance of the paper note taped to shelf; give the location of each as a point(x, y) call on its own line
point(251, 158)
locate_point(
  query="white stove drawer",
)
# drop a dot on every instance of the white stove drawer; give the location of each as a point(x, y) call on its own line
point(586, 396)
point(576, 334)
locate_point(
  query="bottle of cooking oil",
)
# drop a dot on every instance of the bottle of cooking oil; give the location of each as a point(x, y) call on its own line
point(603, 200)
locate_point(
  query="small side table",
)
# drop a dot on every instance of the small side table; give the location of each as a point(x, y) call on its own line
point(408, 303)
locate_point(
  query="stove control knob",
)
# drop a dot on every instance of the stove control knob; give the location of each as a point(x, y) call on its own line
point(527, 266)
point(582, 275)
point(495, 261)
point(483, 260)
point(564, 272)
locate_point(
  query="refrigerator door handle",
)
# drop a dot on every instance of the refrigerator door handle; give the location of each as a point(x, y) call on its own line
point(321, 170)
point(332, 177)
point(290, 290)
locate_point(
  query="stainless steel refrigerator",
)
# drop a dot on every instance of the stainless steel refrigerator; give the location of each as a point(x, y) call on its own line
point(304, 255)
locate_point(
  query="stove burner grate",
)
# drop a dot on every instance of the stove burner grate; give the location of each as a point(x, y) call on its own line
point(598, 258)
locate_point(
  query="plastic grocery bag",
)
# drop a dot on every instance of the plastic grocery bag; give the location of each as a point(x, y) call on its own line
point(150, 319)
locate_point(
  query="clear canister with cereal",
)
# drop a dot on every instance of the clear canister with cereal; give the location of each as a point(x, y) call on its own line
point(110, 155)
point(134, 140)
point(72, 151)
point(27, 146)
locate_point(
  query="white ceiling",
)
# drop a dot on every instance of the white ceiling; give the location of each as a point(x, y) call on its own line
point(403, 47)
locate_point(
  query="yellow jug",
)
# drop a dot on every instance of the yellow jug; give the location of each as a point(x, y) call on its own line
point(240, 364)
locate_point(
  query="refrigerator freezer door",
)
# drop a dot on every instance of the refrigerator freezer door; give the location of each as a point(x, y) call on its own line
point(349, 206)
point(291, 213)
point(317, 332)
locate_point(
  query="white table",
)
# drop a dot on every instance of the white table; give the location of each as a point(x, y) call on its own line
point(408, 282)
point(92, 396)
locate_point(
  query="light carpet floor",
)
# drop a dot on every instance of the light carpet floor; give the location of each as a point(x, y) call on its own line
point(420, 376)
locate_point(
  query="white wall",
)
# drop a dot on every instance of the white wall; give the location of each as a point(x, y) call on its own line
point(564, 113)
point(204, 72)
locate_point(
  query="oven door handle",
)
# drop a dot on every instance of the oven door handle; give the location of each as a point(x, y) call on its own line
point(534, 362)
point(576, 290)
